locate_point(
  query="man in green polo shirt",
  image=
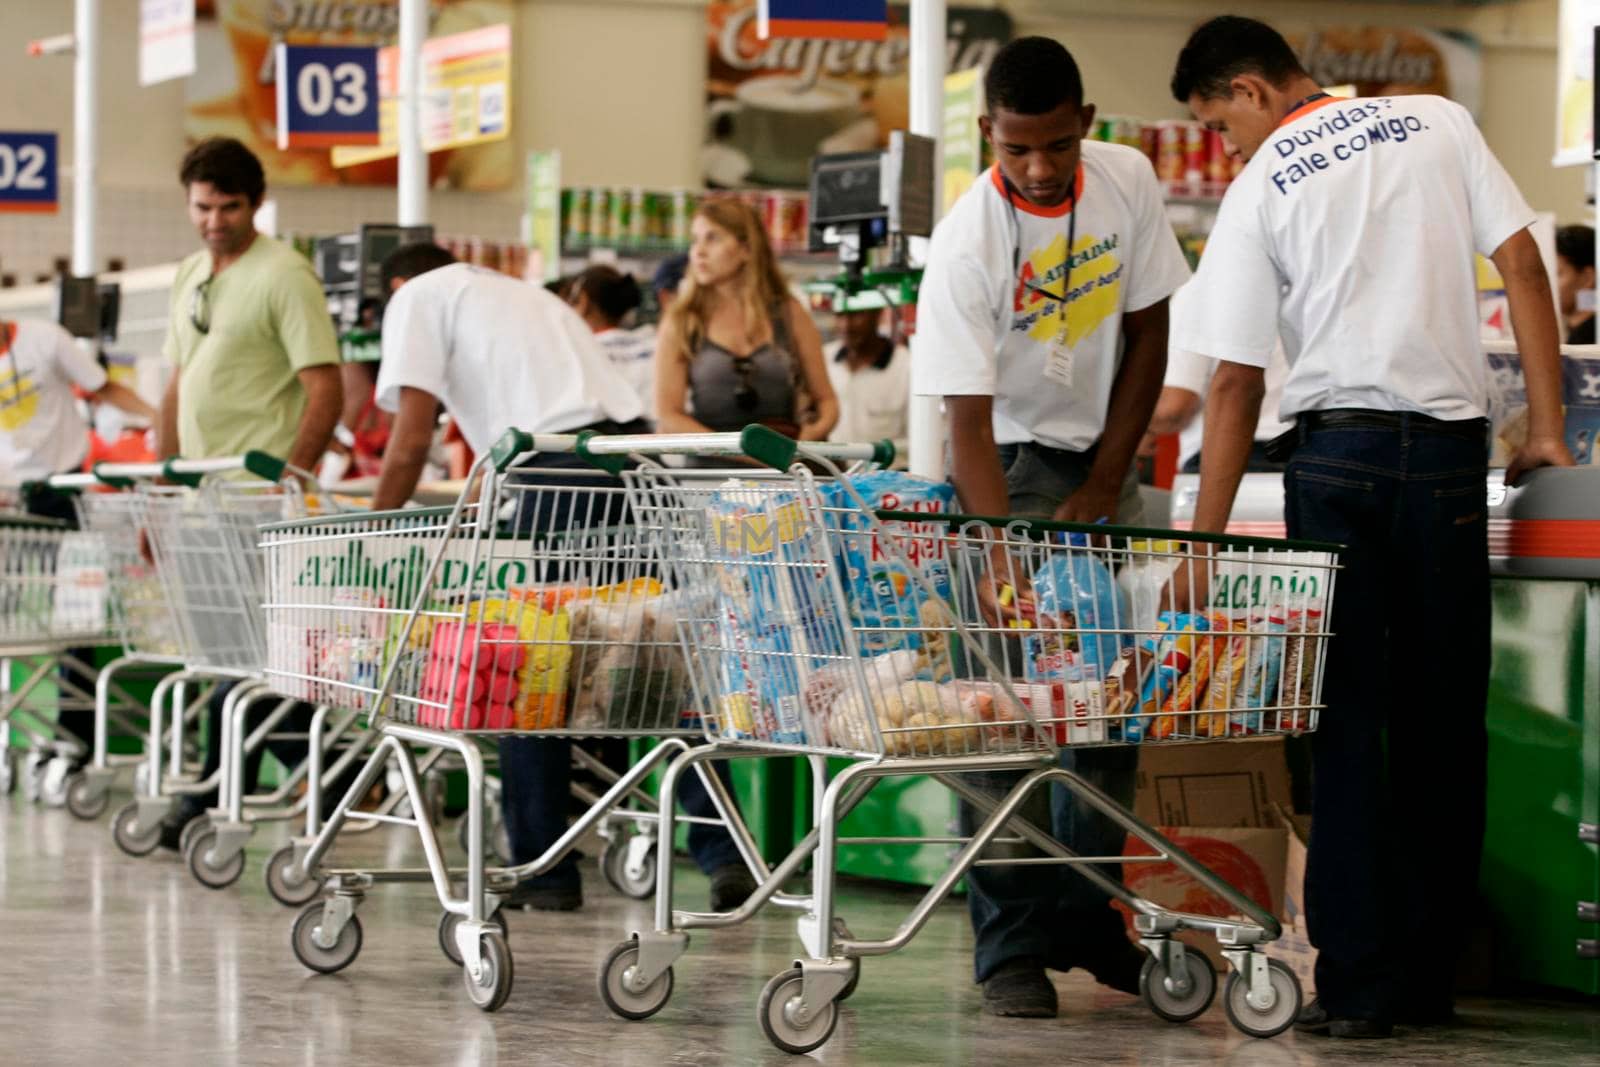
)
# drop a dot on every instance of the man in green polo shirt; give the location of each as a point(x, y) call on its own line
point(257, 362)
point(256, 367)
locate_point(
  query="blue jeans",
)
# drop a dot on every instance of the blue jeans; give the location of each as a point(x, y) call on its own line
point(1398, 759)
point(1052, 913)
point(536, 772)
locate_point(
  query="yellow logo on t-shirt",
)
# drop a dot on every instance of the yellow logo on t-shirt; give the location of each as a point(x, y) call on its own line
point(1096, 281)
point(19, 401)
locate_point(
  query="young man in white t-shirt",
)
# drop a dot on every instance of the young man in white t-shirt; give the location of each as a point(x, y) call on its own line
point(1042, 322)
point(871, 375)
point(1350, 235)
point(499, 353)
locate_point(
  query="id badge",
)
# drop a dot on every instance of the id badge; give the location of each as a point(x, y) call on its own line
point(1058, 364)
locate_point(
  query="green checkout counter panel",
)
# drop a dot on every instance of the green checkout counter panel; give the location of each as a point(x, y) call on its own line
point(1541, 866)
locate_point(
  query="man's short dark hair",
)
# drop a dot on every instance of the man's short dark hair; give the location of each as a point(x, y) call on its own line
point(410, 260)
point(1227, 47)
point(1575, 244)
point(226, 164)
point(1032, 76)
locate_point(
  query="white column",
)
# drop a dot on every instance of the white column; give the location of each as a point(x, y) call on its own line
point(927, 119)
point(413, 176)
point(85, 118)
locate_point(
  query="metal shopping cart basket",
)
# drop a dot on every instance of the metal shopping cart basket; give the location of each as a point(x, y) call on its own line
point(198, 527)
point(533, 606)
point(52, 599)
point(989, 645)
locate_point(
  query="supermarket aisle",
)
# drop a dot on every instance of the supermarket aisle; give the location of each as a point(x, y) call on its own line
point(116, 958)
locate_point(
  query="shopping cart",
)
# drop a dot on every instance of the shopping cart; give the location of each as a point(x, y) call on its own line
point(997, 644)
point(533, 606)
point(52, 599)
point(198, 526)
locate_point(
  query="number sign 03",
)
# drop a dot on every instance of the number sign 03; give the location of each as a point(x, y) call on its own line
point(327, 96)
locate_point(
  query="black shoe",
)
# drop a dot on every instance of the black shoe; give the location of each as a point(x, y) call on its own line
point(1117, 968)
point(1315, 1020)
point(531, 896)
point(172, 826)
point(1020, 989)
point(731, 886)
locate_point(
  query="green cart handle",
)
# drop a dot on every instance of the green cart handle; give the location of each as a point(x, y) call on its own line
point(765, 446)
point(190, 472)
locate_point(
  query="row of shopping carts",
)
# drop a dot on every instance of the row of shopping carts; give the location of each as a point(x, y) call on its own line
point(808, 605)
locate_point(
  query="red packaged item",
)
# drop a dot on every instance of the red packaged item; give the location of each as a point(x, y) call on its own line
point(1194, 152)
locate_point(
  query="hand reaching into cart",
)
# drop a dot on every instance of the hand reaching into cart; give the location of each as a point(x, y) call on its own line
point(1005, 595)
point(1189, 588)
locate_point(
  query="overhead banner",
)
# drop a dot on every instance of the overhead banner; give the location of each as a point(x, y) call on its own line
point(166, 40)
point(772, 105)
point(234, 94)
point(327, 96)
point(28, 172)
point(1395, 61)
point(837, 20)
point(466, 95)
point(1575, 83)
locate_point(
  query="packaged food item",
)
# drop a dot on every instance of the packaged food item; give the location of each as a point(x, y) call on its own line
point(1172, 652)
point(627, 669)
point(889, 607)
point(544, 638)
point(1300, 665)
point(1170, 145)
point(1230, 663)
point(1145, 577)
point(464, 662)
point(920, 718)
point(1218, 167)
point(1194, 152)
point(1150, 141)
point(761, 684)
point(1264, 671)
point(1081, 609)
point(1178, 710)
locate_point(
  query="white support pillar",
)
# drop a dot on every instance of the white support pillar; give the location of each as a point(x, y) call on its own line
point(85, 120)
point(928, 35)
point(413, 176)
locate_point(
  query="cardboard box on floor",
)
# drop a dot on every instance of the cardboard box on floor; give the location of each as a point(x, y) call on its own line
point(1227, 805)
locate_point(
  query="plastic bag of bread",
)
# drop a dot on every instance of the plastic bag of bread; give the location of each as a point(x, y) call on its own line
point(627, 663)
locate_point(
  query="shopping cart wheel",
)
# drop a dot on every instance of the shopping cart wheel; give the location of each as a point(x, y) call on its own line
point(615, 973)
point(198, 824)
point(1274, 1020)
point(198, 856)
point(288, 885)
point(84, 801)
point(849, 989)
point(1179, 999)
point(490, 989)
point(132, 838)
point(778, 1011)
point(319, 959)
point(447, 933)
point(614, 865)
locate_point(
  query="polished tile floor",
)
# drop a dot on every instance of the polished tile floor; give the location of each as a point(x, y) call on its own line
point(107, 959)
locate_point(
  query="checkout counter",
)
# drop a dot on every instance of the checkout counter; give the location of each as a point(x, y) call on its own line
point(1541, 866)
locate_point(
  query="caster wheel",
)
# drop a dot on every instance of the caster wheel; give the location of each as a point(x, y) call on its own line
point(614, 865)
point(614, 974)
point(849, 989)
point(1174, 998)
point(198, 856)
point(53, 782)
point(83, 801)
point(447, 933)
point(1274, 1020)
point(490, 989)
point(141, 779)
point(777, 1012)
point(324, 960)
point(8, 775)
point(198, 824)
point(33, 768)
point(130, 837)
point(288, 885)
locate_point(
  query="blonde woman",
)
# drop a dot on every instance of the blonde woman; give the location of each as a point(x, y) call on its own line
point(736, 348)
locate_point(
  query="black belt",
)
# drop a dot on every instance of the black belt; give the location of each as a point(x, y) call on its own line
point(1368, 419)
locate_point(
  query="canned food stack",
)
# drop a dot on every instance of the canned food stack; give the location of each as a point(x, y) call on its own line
point(1189, 159)
point(638, 220)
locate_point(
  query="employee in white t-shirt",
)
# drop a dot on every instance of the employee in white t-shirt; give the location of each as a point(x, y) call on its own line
point(42, 430)
point(871, 376)
point(1042, 322)
point(500, 353)
point(1350, 235)
point(1183, 392)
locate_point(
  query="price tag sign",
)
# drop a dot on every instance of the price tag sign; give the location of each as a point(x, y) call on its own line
point(327, 96)
point(28, 180)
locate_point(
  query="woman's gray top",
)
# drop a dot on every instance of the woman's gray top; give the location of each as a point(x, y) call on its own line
point(728, 393)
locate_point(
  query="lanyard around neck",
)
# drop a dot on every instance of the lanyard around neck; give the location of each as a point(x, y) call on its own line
point(1072, 239)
